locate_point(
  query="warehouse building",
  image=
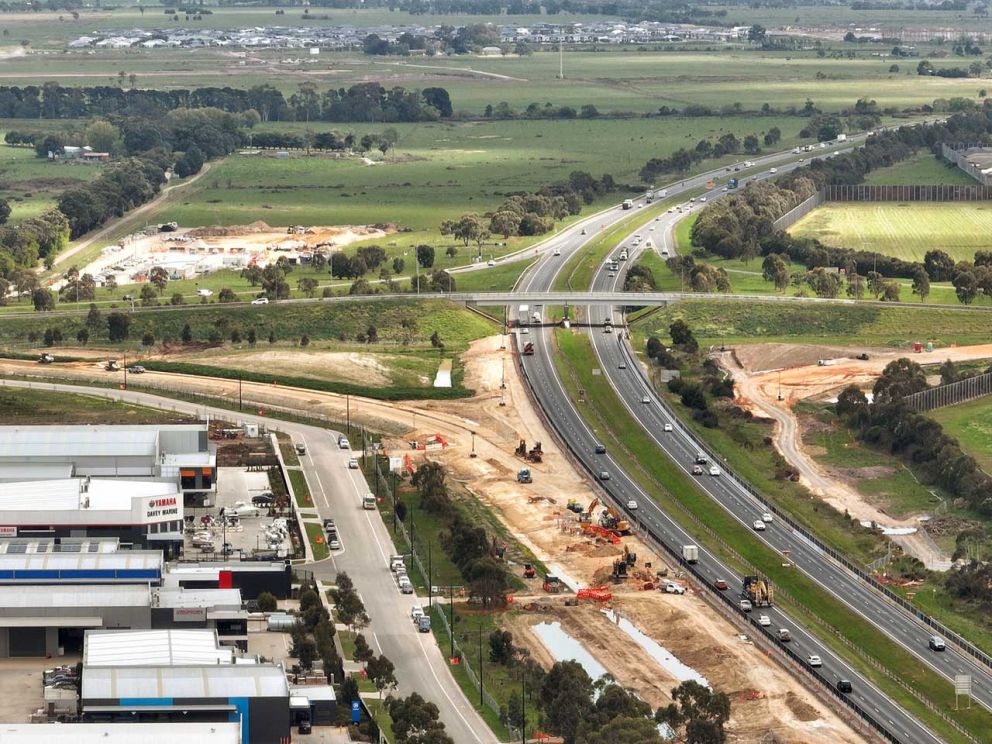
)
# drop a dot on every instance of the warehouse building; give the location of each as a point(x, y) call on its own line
point(170, 676)
point(180, 452)
point(119, 733)
point(251, 577)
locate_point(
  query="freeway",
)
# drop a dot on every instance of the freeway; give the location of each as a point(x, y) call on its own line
point(633, 387)
point(366, 545)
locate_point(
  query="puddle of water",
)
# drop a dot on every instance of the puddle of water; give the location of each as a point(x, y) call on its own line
point(565, 648)
point(665, 658)
point(567, 580)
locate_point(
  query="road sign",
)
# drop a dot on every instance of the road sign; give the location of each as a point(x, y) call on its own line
point(356, 712)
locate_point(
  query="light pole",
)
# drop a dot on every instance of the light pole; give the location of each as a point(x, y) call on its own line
point(472, 454)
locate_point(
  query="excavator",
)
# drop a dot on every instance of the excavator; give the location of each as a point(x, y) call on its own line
point(529, 571)
point(612, 520)
point(586, 516)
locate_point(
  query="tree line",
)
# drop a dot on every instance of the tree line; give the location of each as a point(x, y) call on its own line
point(363, 102)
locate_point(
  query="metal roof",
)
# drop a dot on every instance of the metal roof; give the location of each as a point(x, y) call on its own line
point(197, 598)
point(167, 648)
point(189, 682)
point(72, 494)
point(29, 545)
point(125, 559)
point(28, 597)
point(123, 733)
point(24, 471)
point(17, 442)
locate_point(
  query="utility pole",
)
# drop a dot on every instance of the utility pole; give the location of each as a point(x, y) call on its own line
point(347, 407)
point(481, 688)
point(523, 707)
point(430, 578)
point(239, 392)
point(451, 618)
point(561, 58)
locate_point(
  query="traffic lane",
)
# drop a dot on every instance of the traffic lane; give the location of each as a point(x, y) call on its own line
point(582, 441)
point(906, 630)
point(391, 630)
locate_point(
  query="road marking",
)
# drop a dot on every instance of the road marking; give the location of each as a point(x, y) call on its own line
point(443, 690)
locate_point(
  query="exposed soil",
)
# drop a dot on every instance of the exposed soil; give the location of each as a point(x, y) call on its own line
point(346, 366)
point(685, 625)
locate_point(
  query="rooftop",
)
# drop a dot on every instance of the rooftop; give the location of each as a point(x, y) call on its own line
point(198, 598)
point(124, 732)
point(73, 494)
point(123, 560)
point(152, 648)
point(66, 442)
point(30, 597)
point(203, 681)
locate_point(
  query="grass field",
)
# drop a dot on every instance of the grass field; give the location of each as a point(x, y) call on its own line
point(32, 184)
point(23, 406)
point(896, 326)
point(904, 230)
point(971, 424)
point(922, 168)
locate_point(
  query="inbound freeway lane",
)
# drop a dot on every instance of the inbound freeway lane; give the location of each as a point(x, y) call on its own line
point(632, 387)
point(337, 492)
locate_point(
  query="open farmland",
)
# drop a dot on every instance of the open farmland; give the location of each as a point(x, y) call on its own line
point(971, 424)
point(32, 184)
point(922, 168)
point(905, 230)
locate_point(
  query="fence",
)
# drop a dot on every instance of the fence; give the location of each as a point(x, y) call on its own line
point(958, 154)
point(949, 395)
point(795, 214)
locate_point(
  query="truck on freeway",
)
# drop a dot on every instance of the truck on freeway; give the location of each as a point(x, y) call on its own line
point(628, 204)
point(690, 553)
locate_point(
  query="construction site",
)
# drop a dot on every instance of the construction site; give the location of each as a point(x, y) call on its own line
point(187, 253)
point(624, 606)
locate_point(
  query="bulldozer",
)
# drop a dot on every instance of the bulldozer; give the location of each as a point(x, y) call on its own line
point(536, 454)
point(529, 572)
point(552, 584)
point(573, 506)
point(112, 366)
point(611, 520)
point(586, 516)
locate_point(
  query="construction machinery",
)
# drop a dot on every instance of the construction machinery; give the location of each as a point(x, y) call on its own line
point(619, 572)
point(629, 558)
point(586, 516)
point(758, 590)
point(529, 348)
point(552, 584)
point(112, 366)
point(574, 506)
point(497, 549)
point(611, 519)
point(534, 454)
point(529, 571)
point(524, 476)
point(46, 359)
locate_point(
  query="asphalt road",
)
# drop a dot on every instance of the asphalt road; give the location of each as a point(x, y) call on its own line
point(632, 386)
point(337, 492)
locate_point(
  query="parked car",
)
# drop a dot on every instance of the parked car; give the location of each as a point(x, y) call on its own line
point(301, 449)
point(263, 499)
point(136, 369)
point(328, 524)
point(333, 543)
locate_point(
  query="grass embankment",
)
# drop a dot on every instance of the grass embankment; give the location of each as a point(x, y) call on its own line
point(318, 544)
point(300, 488)
point(718, 322)
point(922, 168)
point(971, 424)
point(287, 449)
point(494, 278)
point(676, 492)
point(906, 230)
point(27, 407)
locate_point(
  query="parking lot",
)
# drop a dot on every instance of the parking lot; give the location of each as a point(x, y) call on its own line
point(245, 528)
point(21, 687)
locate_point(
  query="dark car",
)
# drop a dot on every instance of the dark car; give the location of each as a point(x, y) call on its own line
point(844, 685)
point(263, 499)
point(328, 524)
point(304, 727)
point(600, 449)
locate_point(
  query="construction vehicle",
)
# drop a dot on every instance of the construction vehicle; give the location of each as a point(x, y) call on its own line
point(529, 572)
point(574, 506)
point(629, 558)
point(586, 516)
point(497, 549)
point(46, 359)
point(529, 348)
point(552, 584)
point(612, 520)
point(619, 572)
point(112, 366)
point(690, 553)
point(758, 591)
point(521, 450)
point(524, 476)
point(535, 454)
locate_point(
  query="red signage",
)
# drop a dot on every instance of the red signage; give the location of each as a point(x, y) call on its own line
point(159, 503)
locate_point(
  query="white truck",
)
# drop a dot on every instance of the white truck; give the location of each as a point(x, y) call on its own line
point(368, 501)
point(627, 204)
point(842, 138)
point(536, 317)
point(522, 312)
point(690, 553)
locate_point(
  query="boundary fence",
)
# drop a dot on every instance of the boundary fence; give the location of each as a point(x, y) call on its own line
point(958, 154)
point(950, 394)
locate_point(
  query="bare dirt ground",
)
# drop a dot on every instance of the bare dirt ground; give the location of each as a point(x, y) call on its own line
point(346, 366)
point(766, 698)
point(766, 372)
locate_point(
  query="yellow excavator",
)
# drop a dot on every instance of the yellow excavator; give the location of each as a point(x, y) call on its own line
point(612, 520)
point(586, 516)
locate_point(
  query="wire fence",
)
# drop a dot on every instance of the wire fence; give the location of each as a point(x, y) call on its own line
point(950, 394)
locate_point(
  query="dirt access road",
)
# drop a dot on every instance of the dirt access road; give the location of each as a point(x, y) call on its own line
point(766, 698)
point(765, 372)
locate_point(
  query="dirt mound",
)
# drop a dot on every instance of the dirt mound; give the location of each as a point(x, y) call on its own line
point(800, 708)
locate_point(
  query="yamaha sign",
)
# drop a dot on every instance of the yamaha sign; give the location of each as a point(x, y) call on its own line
point(163, 507)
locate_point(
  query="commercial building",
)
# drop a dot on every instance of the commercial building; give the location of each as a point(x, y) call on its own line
point(251, 577)
point(170, 676)
point(119, 733)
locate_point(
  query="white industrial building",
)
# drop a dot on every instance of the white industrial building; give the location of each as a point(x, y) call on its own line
point(120, 733)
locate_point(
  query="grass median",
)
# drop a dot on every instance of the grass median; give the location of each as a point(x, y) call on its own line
point(318, 543)
point(300, 488)
point(675, 492)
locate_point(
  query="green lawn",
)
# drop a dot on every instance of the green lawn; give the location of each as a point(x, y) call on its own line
point(716, 322)
point(318, 544)
point(905, 230)
point(25, 406)
point(492, 279)
point(922, 168)
point(971, 424)
point(638, 454)
point(300, 488)
point(32, 184)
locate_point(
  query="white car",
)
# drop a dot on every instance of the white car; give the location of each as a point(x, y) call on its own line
point(632, 505)
point(702, 198)
point(645, 399)
point(714, 470)
point(622, 365)
point(524, 331)
point(773, 171)
point(767, 517)
point(814, 661)
point(333, 543)
point(353, 464)
point(668, 427)
point(260, 301)
point(556, 252)
point(491, 262)
point(759, 526)
point(416, 612)
point(764, 621)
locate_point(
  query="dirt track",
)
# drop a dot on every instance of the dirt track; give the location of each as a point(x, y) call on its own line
point(766, 699)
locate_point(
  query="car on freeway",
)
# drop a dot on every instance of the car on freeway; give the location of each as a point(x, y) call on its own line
point(352, 464)
point(583, 231)
point(721, 585)
point(814, 661)
point(697, 469)
point(784, 635)
point(670, 210)
point(773, 171)
point(604, 475)
point(764, 621)
point(702, 198)
point(937, 643)
point(600, 449)
point(646, 399)
point(525, 331)
point(759, 526)
point(612, 275)
point(714, 470)
point(844, 685)
point(260, 301)
point(556, 252)
point(668, 427)
point(724, 188)
point(632, 505)
point(767, 517)
point(622, 365)
point(491, 262)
